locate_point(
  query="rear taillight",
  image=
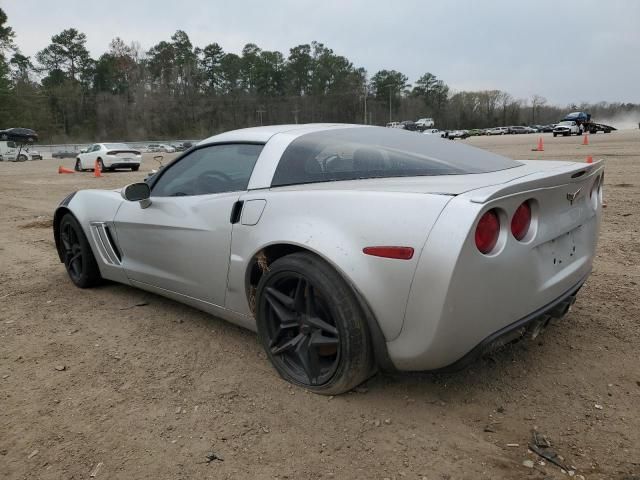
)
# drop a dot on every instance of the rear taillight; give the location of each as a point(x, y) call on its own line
point(521, 221)
point(487, 231)
point(399, 253)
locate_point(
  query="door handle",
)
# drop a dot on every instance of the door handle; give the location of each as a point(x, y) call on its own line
point(236, 210)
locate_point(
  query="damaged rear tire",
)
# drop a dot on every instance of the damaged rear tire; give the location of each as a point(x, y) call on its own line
point(311, 325)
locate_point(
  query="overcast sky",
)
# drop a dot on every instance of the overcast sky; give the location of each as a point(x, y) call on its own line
point(568, 51)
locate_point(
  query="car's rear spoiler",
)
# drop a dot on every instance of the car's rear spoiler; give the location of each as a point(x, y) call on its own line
point(573, 173)
point(114, 152)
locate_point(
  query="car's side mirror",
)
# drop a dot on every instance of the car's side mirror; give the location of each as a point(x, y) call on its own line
point(137, 192)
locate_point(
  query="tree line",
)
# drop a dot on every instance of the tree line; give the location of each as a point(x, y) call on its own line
point(178, 90)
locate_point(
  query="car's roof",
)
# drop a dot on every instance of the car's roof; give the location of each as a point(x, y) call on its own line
point(263, 134)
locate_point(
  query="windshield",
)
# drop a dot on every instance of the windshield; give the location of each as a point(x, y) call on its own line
point(566, 123)
point(366, 152)
point(117, 146)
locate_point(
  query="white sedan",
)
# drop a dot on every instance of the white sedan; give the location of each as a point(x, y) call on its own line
point(109, 156)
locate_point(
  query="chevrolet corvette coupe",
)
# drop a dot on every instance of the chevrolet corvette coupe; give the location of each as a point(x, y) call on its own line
point(348, 248)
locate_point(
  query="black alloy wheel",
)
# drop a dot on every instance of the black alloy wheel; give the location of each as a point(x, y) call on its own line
point(311, 325)
point(76, 254)
point(302, 333)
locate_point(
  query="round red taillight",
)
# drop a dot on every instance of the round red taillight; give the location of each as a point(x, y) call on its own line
point(487, 231)
point(521, 221)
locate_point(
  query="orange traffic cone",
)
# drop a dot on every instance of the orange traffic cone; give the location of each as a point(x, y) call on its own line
point(96, 170)
point(585, 139)
point(540, 145)
point(589, 159)
point(61, 169)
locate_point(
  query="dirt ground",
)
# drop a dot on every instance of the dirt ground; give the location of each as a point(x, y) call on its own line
point(90, 383)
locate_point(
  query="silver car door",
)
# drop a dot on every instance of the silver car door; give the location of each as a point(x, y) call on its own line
point(181, 242)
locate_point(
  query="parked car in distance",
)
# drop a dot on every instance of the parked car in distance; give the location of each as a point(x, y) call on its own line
point(474, 132)
point(12, 152)
point(424, 123)
point(409, 125)
point(455, 250)
point(19, 135)
point(109, 156)
point(516, 129)
point(531, 129)
point(453, 134)
point(394, 125)
point(433, 131)
point(498, 131)
point(566, 128)
point(64, 154)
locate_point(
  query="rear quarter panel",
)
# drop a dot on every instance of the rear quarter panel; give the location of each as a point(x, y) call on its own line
point(337, 225)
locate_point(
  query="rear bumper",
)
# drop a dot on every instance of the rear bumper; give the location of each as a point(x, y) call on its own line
point(121, 164)
point(540, 318)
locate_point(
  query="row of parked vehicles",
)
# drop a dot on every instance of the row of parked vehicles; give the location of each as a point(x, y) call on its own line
point(575, 123)
point(150, 148)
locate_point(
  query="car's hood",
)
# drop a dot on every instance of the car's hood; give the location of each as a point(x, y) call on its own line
point(438, 184)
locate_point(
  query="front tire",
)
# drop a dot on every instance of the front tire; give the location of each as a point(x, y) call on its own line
point(76, 252)
point(135, 169)
point(78, 166)
point(311, 325)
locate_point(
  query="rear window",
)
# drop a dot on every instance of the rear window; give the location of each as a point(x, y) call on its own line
point(117, 146)
point(371, 152)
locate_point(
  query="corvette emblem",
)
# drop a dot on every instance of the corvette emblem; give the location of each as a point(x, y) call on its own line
point(572, 196)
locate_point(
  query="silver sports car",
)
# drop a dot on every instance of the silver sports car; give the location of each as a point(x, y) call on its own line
point(348, 248)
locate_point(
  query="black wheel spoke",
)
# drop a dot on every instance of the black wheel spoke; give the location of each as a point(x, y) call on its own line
point(285, 300)
point(308, 358)
point(288, 345)
point(322, 325)
point(298, 297)
point(318, 340)
point(310, 301)
point(281, 305)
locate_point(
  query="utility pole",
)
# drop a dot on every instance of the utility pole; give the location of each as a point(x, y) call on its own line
point(390, 87)
point(295, 114)
point(260, 111)
point(365, 105)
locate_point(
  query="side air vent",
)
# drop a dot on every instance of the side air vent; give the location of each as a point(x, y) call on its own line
point(105, 243)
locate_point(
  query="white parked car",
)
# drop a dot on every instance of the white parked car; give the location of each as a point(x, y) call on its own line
point(425, 123)
point(433, 131)
point(10, 152)
point(109, 156)
point(161, 147)
point(566, 128)
point(498, 131)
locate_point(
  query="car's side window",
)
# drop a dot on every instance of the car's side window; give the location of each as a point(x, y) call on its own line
point(207, 170)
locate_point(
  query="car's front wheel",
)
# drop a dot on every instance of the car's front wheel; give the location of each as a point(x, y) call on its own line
point(78, 166)
point(135, 169)
point(76, 253)
point(311, 325)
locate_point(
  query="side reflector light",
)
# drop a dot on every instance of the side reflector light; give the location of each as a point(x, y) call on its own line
point(399, 253)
